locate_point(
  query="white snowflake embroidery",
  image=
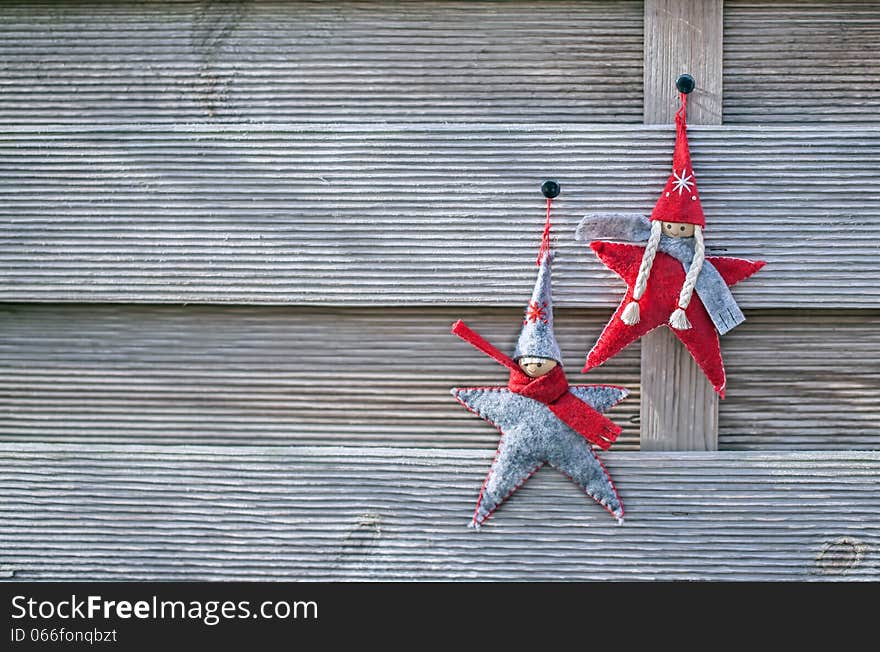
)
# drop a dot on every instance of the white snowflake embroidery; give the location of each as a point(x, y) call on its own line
point(682, 182)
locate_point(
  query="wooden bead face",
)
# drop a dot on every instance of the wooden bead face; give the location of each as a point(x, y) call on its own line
point(535, 367)
point(678, 230)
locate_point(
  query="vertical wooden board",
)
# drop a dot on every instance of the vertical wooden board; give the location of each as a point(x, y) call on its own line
point(682, 413)
point(683, 36)
point(679, 409)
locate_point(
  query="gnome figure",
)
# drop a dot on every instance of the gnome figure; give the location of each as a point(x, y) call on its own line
point(670, 279)
point(541, 418)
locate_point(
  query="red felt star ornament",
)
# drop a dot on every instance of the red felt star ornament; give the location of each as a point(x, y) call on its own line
point(659, 301)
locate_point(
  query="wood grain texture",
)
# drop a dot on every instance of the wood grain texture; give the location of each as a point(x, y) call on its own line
point(133, 374)
point(683, 36)
point(366, 161)
point(802, 380)
point(261, 62)
point(152, 513)
point(368, 215)
point(801, 62)
point(267, 375)
point(679, 408)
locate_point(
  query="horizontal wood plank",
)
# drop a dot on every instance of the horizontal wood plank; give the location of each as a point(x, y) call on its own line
point(801, 62)
point(564, 61)
point(99, 374)
point(267, 375)
point(366, 215)
point(151, 513)
point(802, 380)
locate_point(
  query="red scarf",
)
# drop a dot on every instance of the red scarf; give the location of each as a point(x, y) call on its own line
point(551, 389)
point(546, 389)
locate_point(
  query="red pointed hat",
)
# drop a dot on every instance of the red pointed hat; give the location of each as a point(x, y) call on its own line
point(680, 200)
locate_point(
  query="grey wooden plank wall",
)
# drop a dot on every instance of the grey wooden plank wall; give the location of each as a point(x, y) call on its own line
point(400, 514)
point(402, 215)
point(234, 236)
point(325, 62)
point(802, 62)
point(261, 375)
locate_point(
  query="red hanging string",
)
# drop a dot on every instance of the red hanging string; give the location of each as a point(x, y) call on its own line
point(545, 237)
point(681, 114)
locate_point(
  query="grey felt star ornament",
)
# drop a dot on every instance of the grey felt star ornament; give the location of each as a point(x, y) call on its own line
point(531, 436)
point(541, 418)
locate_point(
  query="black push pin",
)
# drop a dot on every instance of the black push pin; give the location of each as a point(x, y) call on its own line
point(685, 84)
point(550, 189)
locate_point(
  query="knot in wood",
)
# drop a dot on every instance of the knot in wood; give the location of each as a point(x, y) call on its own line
point(839, 556)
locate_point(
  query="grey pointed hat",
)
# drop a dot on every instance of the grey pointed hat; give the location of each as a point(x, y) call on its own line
point(536, 340)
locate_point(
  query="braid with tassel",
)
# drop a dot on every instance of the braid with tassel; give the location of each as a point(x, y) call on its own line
point(631, 314)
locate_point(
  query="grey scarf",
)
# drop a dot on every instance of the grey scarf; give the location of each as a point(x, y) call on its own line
point(711, 287)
